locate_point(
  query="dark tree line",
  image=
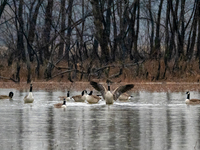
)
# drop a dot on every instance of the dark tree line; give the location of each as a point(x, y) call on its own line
point(46, 32)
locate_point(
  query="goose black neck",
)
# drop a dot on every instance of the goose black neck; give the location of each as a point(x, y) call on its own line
point(64, 102)
point(68, 94)
point(188, 96)
point(108, 87)
point(31, 88)
point(82, 93)
point(90, 93)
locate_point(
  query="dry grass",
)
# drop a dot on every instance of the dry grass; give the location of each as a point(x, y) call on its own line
point(185, 76)
point(139, 86)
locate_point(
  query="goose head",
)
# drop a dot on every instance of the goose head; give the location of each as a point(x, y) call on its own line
point(11, 94)
point(90, 93)
point(188, 94)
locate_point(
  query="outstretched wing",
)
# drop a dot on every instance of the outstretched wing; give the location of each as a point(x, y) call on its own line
point(99, 88)
point(122, 89)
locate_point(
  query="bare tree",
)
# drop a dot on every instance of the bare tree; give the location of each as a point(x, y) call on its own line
point(157, 38)
point(193, 32)
point(44, 51)
point(102, 26)
point(20, 30)
point(63, 26)
point(2, 6)
point(69, 31)
point(198, 33)
point(32, 28)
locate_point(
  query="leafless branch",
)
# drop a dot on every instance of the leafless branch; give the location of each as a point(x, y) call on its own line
point(9, 79)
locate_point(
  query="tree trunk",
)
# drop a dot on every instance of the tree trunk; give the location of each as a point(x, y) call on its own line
point(152, 30)
point(181, 36)
point(193, 30)
point(174, 28)
point(20, 40)
point(157, 38)
point(168, 51)
point(114, 47)
point(2, 6)
point(44, 52)
point(31, 32)
point(81, 49)
point(69, 31)
point(198, 34)
point(131, 29)
point(62, 34)
point(101, 27)
point(136, 53)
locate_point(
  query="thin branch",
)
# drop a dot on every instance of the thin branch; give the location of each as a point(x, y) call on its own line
point(9, 79)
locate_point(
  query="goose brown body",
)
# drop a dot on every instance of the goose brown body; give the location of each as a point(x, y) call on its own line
point(60, 105)
point(80, 98)
point(92, 99)
point(124, 97)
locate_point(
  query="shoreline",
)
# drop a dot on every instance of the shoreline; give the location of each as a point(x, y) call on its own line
point(138, 86)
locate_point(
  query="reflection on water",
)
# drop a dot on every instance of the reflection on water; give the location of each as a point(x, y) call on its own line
point(149, 121)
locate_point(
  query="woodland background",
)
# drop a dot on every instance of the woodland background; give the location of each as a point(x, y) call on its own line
point(80, 40)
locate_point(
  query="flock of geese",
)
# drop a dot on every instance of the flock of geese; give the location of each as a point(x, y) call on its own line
point(109, 97)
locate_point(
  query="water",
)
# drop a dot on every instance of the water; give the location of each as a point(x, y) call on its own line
point(149, 121)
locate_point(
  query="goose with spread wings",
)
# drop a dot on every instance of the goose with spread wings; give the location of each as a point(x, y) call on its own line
point(109, 96)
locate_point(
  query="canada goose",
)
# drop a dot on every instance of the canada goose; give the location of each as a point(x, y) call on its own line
point(66, 97)
point(29, 98)
point(92, 99)
point(61, 105)
point(107, 95)
point(124, 97)
point(7, 96)
point(80, 98)
point(191, 101)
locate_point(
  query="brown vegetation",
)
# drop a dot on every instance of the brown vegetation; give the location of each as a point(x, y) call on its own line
point(143, 75)
point(146, 71)
point(139, 86)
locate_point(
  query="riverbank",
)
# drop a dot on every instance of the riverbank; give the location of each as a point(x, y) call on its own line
point(138, 86)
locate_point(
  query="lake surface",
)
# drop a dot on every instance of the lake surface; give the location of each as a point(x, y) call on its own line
point(149, 121)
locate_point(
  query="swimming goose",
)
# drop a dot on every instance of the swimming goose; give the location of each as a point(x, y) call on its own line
point(191, 101)
point(7, 96)
point(66, 97)
point(61, 105)
point(92, 99)
point(107, 95)
point(80, 98)
point(29, 98)
point(124, 97)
